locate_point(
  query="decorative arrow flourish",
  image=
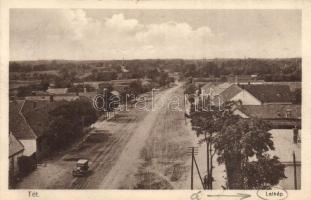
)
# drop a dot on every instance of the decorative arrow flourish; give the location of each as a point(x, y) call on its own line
point(242, 196)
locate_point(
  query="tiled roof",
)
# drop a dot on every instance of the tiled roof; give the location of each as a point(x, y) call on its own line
point(14, 145)
point(214, 89)
point(29, 119)
point(229, 93)
point(269, 93)
point(275, 111)
point(17, 122)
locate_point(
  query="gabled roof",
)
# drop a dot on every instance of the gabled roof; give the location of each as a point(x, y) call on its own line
point(29, 119)
point(18, 125)
point(269, 93)
point(214, 89)
point(275, 111)
point(229, 93)
point(14, 145)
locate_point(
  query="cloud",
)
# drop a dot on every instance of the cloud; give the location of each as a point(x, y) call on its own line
point(117, 37)
point(72, 34)
point(75, 34)
point(118, 23)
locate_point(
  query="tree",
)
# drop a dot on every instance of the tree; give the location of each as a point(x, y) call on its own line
point(260, 175)
point(67, 121)
point(242, 145)
point(236, 143)
point(190, 88)
point(135, 87)
point(297, 96)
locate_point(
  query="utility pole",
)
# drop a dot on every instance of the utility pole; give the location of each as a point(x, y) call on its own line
point(194, 150)
point(207, 161)
point(211, 165)
point(192, 156)
point(295, 172)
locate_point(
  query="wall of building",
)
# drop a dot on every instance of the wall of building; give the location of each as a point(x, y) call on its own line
point(30, 146)
point(289, 182)
point(13, 162)
point(284, 147)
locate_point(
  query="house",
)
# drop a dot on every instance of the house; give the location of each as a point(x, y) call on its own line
point(57, 90)
point(252, 94)
point(244, 79)
point(279, 115)
point(229, 94)
point(124, 73)
point(22, 131)
point(16, 150)
point(287, 144)
point(213, 89)
point(28, 121)
point(265, 94)
point(285, 123)
point(54, 97)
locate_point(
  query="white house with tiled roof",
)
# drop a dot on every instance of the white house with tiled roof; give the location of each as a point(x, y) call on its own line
point(20, 128)
point(286, 136)
point(262, 94)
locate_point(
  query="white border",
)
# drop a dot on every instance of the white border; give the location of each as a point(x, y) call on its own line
point(305, 6)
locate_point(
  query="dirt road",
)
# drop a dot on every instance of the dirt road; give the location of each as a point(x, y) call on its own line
point(119, 152)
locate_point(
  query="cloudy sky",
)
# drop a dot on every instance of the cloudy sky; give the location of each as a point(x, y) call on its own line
point(114, 34)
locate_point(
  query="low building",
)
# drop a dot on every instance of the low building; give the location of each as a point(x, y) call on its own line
point(279, 115)
point(287, 144)
point(28, 121)
point(16, 150)
point(286, 136)
point(19, 126)
point(52, 90)
point(264, 94)
point(244, 79)
point(54, 97)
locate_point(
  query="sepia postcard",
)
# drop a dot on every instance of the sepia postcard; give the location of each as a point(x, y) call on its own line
point(193, 100)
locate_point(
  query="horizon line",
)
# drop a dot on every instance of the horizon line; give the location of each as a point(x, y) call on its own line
point(132, 59)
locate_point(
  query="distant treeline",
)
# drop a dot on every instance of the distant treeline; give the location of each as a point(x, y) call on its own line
point(266, 69)
point(288, 69)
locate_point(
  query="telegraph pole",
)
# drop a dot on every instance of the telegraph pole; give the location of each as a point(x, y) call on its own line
point(193, 151)
point(207, 160)
point(192, 156)
point(295, 172)
point(211, 165)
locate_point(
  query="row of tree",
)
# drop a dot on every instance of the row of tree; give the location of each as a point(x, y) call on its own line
point(266, 69)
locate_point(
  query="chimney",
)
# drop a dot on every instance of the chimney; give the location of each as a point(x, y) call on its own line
point(295, 135)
